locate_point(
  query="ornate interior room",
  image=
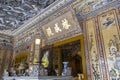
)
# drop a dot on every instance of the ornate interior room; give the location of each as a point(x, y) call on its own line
point(60, 39)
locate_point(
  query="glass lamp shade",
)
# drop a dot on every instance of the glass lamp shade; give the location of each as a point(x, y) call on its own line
point(37, 41)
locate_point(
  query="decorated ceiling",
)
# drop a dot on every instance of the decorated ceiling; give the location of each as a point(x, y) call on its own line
point(14, 13)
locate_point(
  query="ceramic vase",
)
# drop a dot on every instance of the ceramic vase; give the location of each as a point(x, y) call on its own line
point(65, 68)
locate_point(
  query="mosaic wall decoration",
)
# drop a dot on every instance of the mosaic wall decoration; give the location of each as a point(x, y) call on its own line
point(93, 51)
point(86, 10)
point(7, 59)
point(36, 54)
point(87, 6)
point(4, 60)
point(31, 54)
point(119, 10)
point(110, 37)
point(25, 37)
point(1, 61)
point(1, 57)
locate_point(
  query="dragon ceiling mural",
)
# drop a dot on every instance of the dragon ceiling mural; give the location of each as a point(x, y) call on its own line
point(14, 13)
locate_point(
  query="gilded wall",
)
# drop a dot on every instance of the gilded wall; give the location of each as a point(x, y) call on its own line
point(94, 56)
point(102, 37)
point(103, 41)
point(101, 23)
point(110, 39)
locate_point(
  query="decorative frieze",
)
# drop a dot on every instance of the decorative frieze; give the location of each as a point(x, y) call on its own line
point(25, 38)
point(85, 7)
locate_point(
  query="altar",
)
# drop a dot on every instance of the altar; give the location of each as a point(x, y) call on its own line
point(39, 78)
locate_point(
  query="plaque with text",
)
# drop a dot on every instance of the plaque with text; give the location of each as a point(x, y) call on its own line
point(61, 26)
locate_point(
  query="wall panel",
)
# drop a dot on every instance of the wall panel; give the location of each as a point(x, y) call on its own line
point(110, 40)
point(93, 50)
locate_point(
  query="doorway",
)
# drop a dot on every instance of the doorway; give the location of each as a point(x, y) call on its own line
point(71, 51)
